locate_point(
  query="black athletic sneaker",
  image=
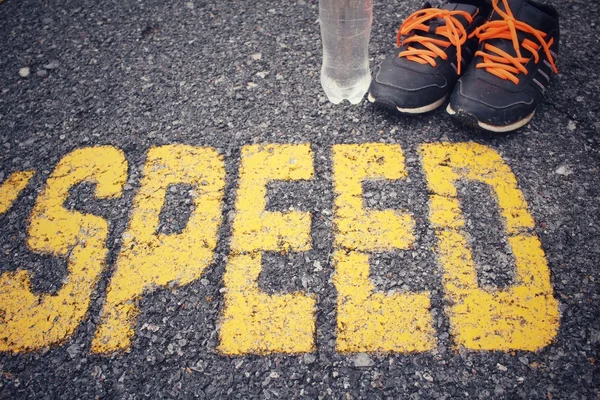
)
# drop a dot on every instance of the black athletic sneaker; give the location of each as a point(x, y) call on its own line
point(511, 70)
point(438, 44)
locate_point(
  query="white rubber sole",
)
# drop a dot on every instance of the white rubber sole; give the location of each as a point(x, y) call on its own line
point(418, 110)
point(497, 128)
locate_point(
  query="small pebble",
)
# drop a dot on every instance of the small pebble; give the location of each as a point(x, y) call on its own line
point(318, 267)
point(594, 336)
point(524, 360)
point(362, 360)
point(563, 170)
point(24, 72)
point(73, 350)
point(309, 358)
point(52, 65)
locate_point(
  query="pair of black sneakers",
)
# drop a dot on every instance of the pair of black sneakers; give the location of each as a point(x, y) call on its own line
point(494, 61)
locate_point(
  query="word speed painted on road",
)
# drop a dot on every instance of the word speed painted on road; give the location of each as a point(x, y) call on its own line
point(521, 316)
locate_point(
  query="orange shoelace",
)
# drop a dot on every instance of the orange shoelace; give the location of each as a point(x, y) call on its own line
point(499, 62)
point(453, 30)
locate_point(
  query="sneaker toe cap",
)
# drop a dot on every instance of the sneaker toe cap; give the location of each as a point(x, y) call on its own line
point(491, 104)
point(405, 87)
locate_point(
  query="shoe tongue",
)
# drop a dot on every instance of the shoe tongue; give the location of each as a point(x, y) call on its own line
point(437, 22)
point(528, 12)
point(458, 7)
point(452, 6)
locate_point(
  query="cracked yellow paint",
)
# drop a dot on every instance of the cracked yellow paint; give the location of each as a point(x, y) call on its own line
point(30, 321)
point(524, 316)
point(368, 321)
point(254, 322)
point(360, 229)
point(12, 187)
point(148, 259)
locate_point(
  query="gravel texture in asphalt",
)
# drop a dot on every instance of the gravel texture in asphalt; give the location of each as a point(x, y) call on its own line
point(226, 74)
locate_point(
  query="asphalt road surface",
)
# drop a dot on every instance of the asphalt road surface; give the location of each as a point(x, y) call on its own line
point(184, 214)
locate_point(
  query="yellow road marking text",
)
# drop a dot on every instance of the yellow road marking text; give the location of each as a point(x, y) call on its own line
point(30, 321)
point(524, 316)
point(12, 187)
point(148, 259)
point(369, 321)
point(255, 322)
